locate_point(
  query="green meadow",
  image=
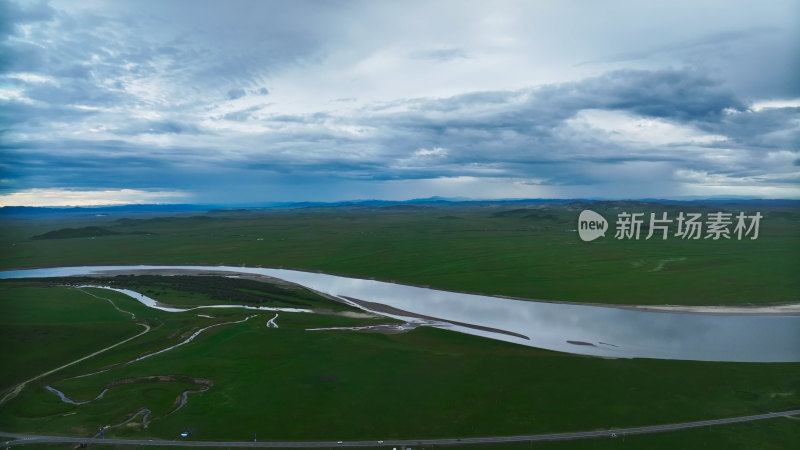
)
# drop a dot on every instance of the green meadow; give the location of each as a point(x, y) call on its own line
point(529, 251)
point(39, 319)
point(293, 384)
point(289, 383)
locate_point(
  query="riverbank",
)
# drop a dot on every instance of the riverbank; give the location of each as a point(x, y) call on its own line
point(777, 309)
point(714, 334)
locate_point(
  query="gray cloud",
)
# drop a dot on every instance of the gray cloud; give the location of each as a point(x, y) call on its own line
point(233, 94)
point(153, 94)
point(12, 15)
point(517, 134)
point(712, 42)
point(440, 54)
point(242, 114)
point(159, 127)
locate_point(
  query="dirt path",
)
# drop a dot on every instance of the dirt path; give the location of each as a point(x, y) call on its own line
point(18, 388)
point(133, 316)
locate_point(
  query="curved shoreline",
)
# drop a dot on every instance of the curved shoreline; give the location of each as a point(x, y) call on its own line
point(687, 333)
point(782, 309)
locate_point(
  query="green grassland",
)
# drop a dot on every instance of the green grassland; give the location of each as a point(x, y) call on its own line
point(529, 251)
point(766, 435)
point(290, 383)
point(38, 319)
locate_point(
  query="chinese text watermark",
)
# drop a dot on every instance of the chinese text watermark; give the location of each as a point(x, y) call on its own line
point(714, 226)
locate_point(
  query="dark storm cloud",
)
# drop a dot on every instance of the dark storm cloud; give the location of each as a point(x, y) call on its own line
point(677, 96)
point(519, 134)
point(667, 94)
point(88, 164)
point(174, 94)
point(523, 133)
point(490, 133)
point(773, 128)
point(673, 95)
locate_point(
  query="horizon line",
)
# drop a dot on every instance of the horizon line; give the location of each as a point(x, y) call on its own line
point(268, 204)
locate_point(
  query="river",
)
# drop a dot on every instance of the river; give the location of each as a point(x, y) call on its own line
point(575, 328)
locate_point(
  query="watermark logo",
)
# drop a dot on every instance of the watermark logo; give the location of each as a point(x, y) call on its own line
point(714, 226)
point(591, 225)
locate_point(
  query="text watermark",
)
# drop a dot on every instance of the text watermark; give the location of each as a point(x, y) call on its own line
point(714, 226)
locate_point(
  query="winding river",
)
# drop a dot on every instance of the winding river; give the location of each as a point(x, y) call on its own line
point(575, 328)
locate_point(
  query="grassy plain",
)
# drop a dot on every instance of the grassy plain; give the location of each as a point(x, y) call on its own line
point(529, 251)
point(37, 320)
point(290, 383)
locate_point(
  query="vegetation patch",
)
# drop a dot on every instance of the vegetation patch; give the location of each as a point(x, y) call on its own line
point(84, 232)
point(198, 290)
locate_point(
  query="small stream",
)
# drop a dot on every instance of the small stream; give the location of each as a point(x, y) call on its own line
point(189, 339)
point(152, 303)
point(66, 399)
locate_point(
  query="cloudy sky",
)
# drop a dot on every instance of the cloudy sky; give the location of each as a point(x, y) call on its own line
point(106, 102)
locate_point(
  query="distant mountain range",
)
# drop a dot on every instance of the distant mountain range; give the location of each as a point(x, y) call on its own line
point(431, 201)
